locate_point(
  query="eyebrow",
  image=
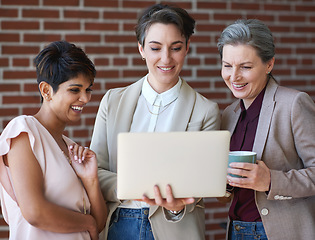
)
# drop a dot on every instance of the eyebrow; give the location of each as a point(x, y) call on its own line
point(78, 85)
point(156, 42)
point(239, 64)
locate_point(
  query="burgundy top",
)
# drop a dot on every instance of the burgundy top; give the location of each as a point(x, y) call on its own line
point(243, 207)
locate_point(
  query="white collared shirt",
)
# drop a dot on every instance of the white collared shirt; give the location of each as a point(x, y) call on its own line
point(154, 113)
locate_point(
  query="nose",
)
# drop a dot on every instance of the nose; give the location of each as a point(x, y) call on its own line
point(166, 56)
point(235, 75)
point(85, 97)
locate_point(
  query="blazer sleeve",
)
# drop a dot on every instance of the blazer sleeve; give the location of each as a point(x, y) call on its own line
point(297, 182)
point(99, 144)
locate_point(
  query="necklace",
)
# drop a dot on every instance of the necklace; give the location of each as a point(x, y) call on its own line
point(84, 203)
point(166, 107)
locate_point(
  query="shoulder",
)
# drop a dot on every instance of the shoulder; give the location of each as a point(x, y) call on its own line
point(115, 94)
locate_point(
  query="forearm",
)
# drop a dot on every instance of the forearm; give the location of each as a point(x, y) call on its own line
point(98, 206)
point(51, 217)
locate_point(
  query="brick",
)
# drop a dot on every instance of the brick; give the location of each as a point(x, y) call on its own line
point(101, 26)
point(101, 61)
point(129, 26)
point(193, 61)
point(19, 49)
point(3, 113)
point(200, 16)
point(293, 39)
point(227, 16)
point(137, 4)
point(304, 29)
point(101, 3)
point(31, 110)
point(19, 75)
point(210, 27)
point(200, 39)
point(61, 25)
point(120, 15)
point(111, 85)
point(19, 25)
point(131, 50)
point(214, 95)
point(8, 13)
point(80, 133)
point(305, 72)
point(245, 6)
point(276, 7)
point(83, 38)
point(9, 87)
point(292, 18)
point(40, 13)
point(20, 2)
point(41, 37)
point(61, 3)
point(211, 5)
point(81, 14)
point(4, 62)
point(120, 38)
point(120, 61)
point(199, 84)
point(305, 8)
point(205, 50)
point(305, 50)
point(134, 73)
point(20, 99)
point(21, 62)
point(101, 50)
point(9, 37)
point(263, 17)
point(111, 74)
point(31, 87)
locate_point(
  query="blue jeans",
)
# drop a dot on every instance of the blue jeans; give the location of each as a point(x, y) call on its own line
point(130, 224)
point(247, 231)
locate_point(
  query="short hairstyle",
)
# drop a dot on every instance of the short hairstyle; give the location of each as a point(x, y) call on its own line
point(165, 14)
point(252, 32)
point(61, 61)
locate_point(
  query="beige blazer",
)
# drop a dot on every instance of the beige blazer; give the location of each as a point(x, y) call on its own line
point(193, 112)
point(285, 141)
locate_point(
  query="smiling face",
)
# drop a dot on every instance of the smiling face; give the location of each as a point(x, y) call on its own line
point(164, 50)
point(68, 102)
point(244, 72)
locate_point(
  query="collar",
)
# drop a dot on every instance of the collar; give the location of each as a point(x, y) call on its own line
point(166, 97)
point(254, 109)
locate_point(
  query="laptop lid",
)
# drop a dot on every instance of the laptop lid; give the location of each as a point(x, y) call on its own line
point(193, 163)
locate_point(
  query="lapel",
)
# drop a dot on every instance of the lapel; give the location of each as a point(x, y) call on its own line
point(127, 106)
point(184, 108)
point(265, 117)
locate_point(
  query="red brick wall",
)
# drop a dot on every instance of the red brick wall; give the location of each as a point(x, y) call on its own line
point(104, 29)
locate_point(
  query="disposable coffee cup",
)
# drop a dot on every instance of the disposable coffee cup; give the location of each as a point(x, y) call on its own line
point(241, 156)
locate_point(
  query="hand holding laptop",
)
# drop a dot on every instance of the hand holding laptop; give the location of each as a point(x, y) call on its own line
point(169, 203)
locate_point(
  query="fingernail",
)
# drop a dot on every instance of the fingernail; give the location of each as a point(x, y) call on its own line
point(75, 157)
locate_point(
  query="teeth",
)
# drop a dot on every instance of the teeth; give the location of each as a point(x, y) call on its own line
point(77, 108)
point(239, 86)
point(165, 69)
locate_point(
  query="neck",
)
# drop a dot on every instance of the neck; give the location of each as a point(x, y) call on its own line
point(54, 127)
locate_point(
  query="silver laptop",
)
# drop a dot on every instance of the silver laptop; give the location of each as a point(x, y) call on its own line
point(193, 163)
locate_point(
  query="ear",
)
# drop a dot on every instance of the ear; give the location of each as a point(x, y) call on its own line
point(141, 51)
point(187, 46)
point(45, 90)
point(270, 64)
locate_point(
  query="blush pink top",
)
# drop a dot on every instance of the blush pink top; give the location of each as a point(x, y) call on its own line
point(62, 186)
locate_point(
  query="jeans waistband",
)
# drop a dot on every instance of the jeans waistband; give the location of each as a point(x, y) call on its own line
point(240, 226)
point(131, 213)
